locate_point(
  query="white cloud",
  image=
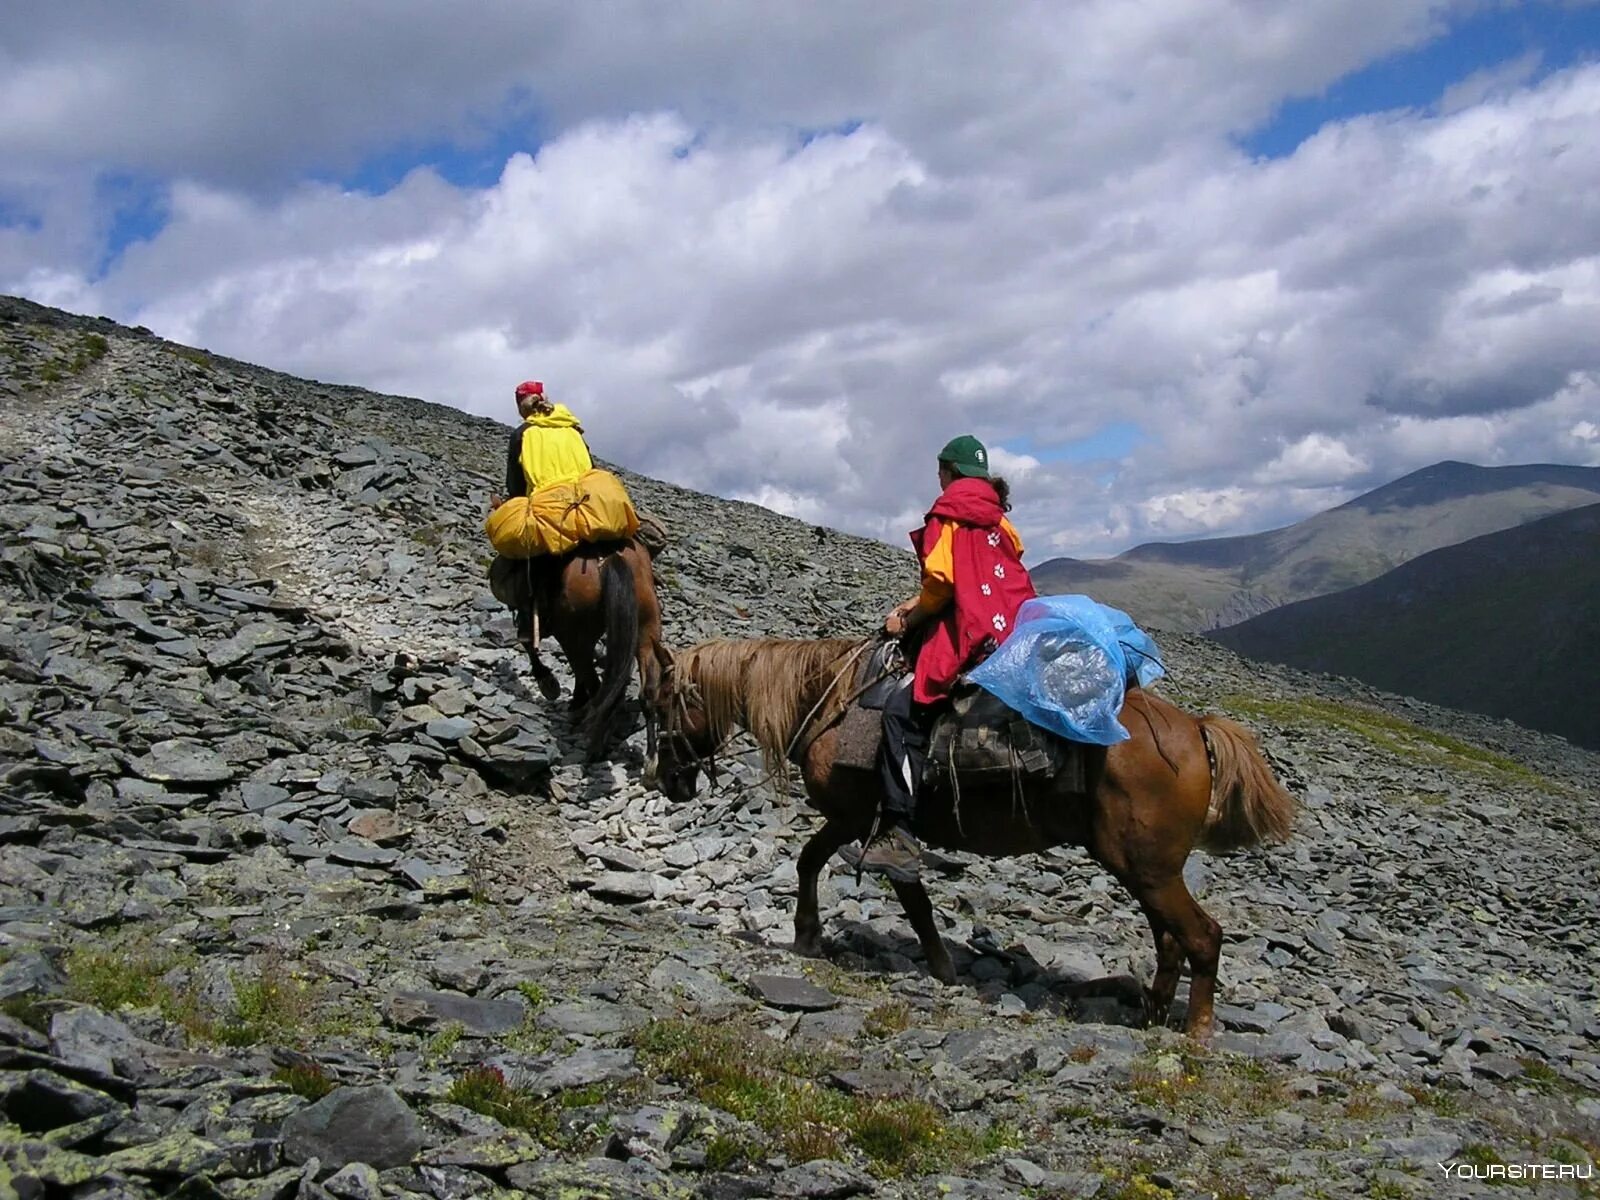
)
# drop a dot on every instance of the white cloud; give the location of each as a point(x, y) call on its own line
point(1313, 459)
point(1038, 229)
point(1012, 466)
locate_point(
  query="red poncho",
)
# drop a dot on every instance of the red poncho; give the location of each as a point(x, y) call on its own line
point(972, 556)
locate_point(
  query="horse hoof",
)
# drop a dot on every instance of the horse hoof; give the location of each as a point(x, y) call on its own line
point(549, 687)
point(945, 973)
point(1155, 1012)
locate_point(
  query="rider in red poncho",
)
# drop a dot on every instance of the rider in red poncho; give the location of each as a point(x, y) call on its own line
point(973, 583)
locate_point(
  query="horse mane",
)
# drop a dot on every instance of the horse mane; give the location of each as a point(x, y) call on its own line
point(768, 685)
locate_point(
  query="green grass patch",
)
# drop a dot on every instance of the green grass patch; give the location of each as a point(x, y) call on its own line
point(438, 1047)
point(122, 973)
point(534, 993)
point(308, 1080)
point(1137, 1186)
point(775, 1088)
point(1194, 1084)
point(485, 1090)
point(727, 1151)
point(1399, 737)
point(889, 1018)
point(1446, 1104)
point(29, 1010)
point(273, 1002)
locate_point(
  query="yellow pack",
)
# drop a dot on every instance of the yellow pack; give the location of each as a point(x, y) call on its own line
point(592, 508)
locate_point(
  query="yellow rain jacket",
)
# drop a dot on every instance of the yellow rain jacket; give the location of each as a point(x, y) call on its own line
point(559, 498)
point(553, 450)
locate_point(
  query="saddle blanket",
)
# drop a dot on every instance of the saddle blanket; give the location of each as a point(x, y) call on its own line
point(977, 736)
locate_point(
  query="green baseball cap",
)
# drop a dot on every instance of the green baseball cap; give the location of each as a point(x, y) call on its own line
point(965, 455)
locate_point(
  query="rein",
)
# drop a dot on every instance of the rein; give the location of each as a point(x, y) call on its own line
point(843, 708)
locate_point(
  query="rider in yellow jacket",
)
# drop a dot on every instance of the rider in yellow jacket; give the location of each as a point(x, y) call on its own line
point(548, 447)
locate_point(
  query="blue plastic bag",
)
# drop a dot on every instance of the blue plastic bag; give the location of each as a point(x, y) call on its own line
point(1065, 667)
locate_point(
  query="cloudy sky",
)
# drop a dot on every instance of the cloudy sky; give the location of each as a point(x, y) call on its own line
point(1190, 267)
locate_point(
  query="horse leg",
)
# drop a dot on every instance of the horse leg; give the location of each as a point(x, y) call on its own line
point(1200, 938)
point(580, 657)
point(807, 924)
point(549, 686)
point(1169, 961)
point(919, 910)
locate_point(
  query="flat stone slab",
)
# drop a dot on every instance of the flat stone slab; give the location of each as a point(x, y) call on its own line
point(625, 887)
point(431, 1010)
point(594, 1018)
point(876, 1081)
point(370, 1125)
point(180, 761)
point(586, 1068)
point(792, 993)
point(362, 854)
point(450, 729)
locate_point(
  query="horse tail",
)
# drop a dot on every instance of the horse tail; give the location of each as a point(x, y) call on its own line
point(621, 606)
point(1248, 804)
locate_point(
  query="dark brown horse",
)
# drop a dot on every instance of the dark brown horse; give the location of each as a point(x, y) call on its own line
point(606, 589)
point(1177, 783)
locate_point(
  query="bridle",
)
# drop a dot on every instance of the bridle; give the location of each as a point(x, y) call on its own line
point(673, 726)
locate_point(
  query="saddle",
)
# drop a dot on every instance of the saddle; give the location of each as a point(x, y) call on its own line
point(976, 738)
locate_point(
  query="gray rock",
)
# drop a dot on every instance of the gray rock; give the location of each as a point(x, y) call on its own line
point(591, 1018)
point(792, 993)
point(179, 760)
point(624, 887)
point(369, 1125)
point(42, 1100)
point(823, 1180)
point(586, 1068)
point(432, 1010)
point(86, 1037)
point(700, 987)
point(1422, 1150)
point(363, 854)
point(29, 974)
point(356, 1181)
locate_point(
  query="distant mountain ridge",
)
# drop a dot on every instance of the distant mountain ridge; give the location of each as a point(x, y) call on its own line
point(1214, 582)
point(1507, 624)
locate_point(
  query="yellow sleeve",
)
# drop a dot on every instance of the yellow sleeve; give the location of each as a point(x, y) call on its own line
point(1016, 538)
point(939, 572)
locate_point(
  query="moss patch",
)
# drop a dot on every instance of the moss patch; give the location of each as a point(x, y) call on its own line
point(1194, 1084)
point(776, 1088)
point(273, 1001)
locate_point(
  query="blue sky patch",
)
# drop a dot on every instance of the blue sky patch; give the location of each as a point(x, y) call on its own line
point(137, 212)
point(1560, 34)
point(15, 217)
point(1116, 440)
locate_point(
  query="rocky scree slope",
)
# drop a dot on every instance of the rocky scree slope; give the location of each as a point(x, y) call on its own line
point(304, 891)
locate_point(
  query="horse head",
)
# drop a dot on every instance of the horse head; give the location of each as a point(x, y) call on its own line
point(686, 742)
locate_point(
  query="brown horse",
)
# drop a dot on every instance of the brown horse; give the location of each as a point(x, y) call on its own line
point(1177, 783)
point(604, 589)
